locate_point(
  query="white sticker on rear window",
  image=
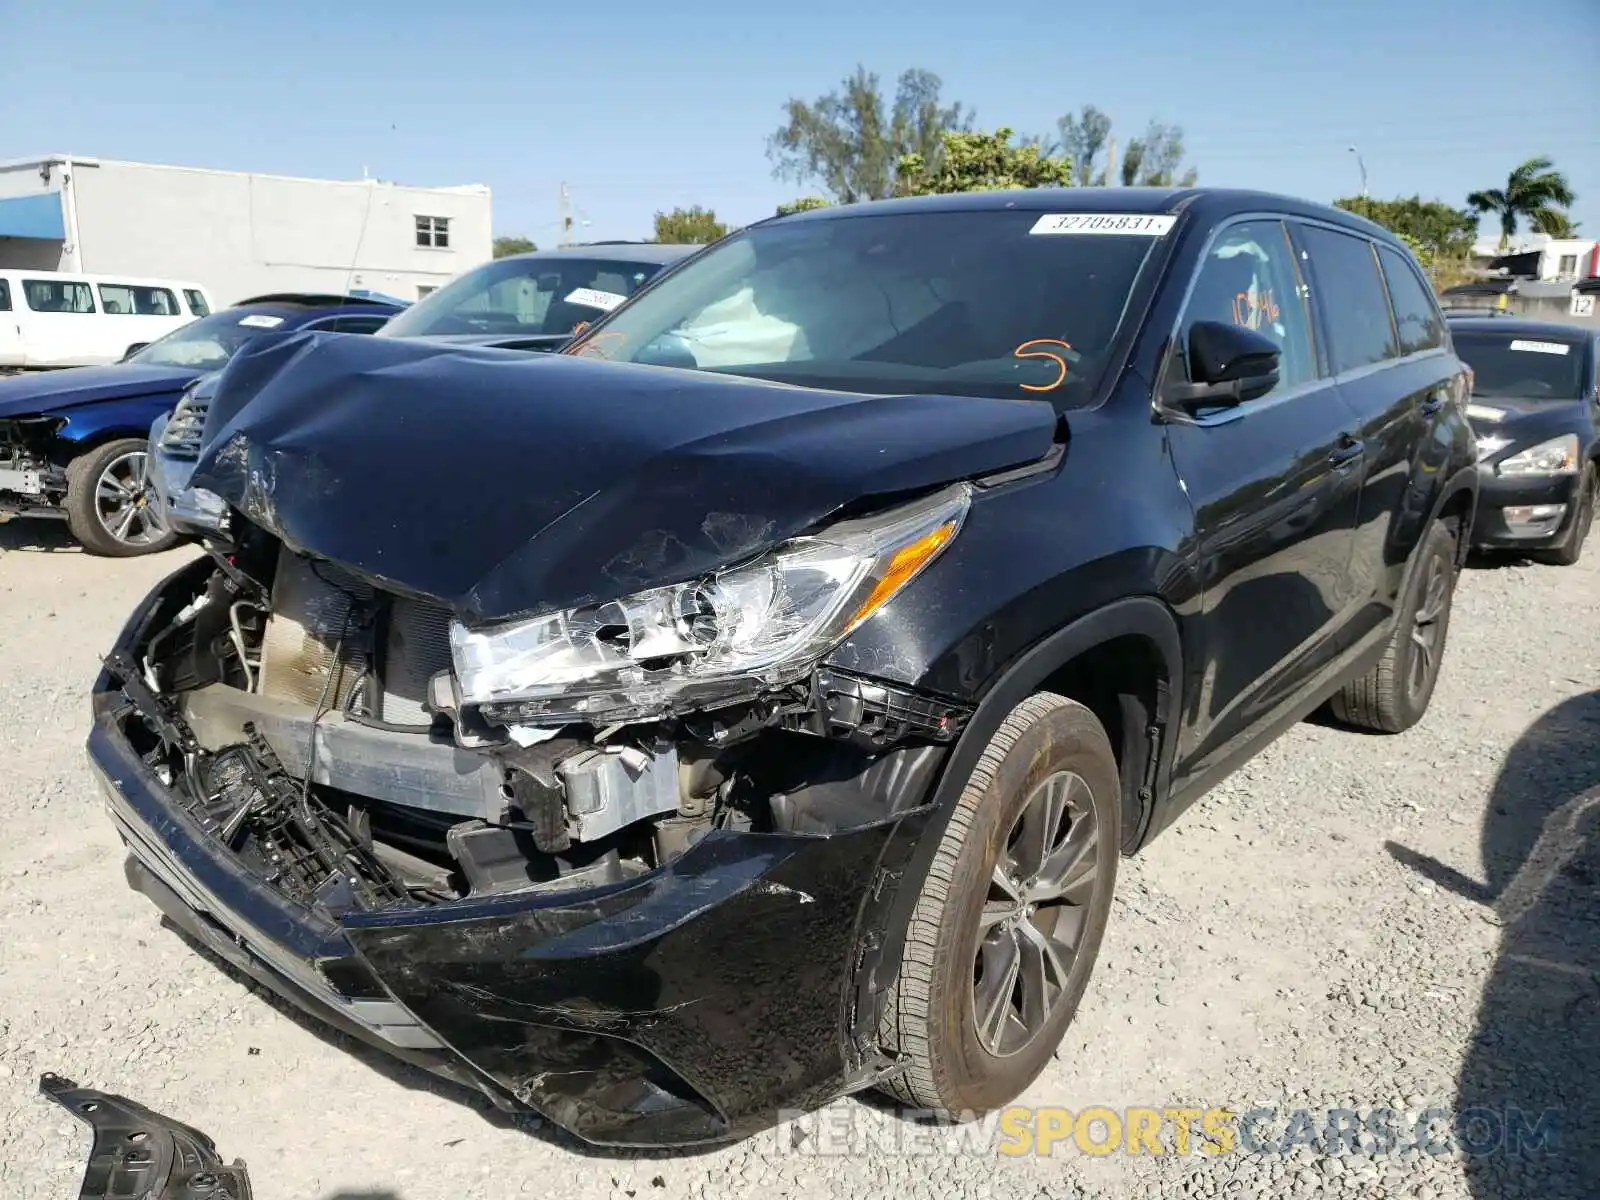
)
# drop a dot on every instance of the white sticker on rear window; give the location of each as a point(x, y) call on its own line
point(261, 321)
point(1136, 224)
point(593, 298)
point(1541, 347)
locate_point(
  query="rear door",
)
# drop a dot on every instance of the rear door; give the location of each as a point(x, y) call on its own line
point(1274, 484)
point(1394, 369)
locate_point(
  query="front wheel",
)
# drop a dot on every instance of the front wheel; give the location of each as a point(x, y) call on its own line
point(1571, 548)
point(111, 507)
point(1006, 931)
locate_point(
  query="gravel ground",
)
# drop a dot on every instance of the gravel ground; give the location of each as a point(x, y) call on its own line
point(1351, 922)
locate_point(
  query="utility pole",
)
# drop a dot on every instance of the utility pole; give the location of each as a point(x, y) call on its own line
point(1111, 162)
point(566, 216)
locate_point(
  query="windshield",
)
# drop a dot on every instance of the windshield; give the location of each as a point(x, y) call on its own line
point(524, 296)
point(1522, 368)
point(993, 303)
point(208, 344)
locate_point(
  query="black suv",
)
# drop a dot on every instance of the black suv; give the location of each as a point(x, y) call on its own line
point(751, 703)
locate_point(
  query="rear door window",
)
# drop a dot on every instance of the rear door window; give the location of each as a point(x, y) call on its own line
point(1416, 314)
point(1249, 278)
point(57, 296)
point(1351, 297)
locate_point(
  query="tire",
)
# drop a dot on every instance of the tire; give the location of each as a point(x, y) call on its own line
point(1394, 695)
point(1571, 548)
point(1048, 749)
point(94, 523)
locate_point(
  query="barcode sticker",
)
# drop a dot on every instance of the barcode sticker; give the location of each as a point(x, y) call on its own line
point(594, 298)
point(1134, 224)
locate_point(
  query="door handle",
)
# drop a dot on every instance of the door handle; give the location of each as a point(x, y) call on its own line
point(1347, 452)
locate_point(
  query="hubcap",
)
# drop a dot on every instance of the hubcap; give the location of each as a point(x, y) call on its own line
point(1035, 914)
point(125, 502)
point(1425, 628)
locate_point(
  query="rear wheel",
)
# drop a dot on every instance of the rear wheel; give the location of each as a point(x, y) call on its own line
point(1006, 931)
point(1571, 548)
point(1394, 695)
point(111, 507)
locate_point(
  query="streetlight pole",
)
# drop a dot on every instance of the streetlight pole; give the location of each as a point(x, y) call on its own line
point(1361, 164)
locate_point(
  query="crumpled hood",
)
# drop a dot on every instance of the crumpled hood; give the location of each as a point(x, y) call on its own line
point(505, 484)
point(50, 391)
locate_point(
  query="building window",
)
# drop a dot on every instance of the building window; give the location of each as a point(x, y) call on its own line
point(433, 232)
point(1568, 268)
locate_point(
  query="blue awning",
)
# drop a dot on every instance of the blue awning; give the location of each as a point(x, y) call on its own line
point(37, 216)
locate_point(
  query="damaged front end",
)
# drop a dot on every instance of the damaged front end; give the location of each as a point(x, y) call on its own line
point(33, 477)
point(563, 860)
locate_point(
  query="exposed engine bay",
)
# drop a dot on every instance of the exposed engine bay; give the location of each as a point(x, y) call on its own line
point(312, 723)
point(32, 483)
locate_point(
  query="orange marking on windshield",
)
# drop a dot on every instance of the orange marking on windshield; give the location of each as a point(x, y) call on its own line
point(1025, 351)
point(595, 347)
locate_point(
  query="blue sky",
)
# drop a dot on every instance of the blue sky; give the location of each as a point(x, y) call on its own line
point(643, 106)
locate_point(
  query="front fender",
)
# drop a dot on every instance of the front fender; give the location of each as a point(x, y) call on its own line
point(90, 423)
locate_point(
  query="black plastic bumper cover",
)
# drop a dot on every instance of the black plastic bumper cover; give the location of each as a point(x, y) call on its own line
point(694, 1004)
point(141, 1155)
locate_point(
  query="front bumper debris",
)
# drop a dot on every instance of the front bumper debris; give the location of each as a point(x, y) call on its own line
point(141, 1155)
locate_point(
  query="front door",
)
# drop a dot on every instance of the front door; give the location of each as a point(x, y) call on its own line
point(11, 351)
point(60, 324)
point(1275, 484)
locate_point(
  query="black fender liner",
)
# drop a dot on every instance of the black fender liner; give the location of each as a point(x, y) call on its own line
point(1141, 616)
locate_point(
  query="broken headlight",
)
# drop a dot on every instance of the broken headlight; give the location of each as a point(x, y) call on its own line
point(715, 639)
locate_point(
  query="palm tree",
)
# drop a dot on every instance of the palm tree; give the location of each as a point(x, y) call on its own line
point(1534, 190)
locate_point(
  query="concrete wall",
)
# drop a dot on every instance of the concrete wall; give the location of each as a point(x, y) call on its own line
point(242, 234)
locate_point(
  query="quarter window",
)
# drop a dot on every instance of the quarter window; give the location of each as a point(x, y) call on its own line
point(5, 296)
point(433, 232)
point(1416, 316)
point(1249, 278)
point(1351, 297)
point(197, 302)
point(127, 300)
point(57, 296)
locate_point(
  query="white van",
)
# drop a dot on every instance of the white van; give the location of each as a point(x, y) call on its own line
point(55, 319)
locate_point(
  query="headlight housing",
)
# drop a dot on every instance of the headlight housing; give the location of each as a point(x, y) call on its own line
point(716, 639)
point(1558, 456)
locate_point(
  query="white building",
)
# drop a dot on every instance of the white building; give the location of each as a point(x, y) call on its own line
point(1542, 257)
point(238, 233)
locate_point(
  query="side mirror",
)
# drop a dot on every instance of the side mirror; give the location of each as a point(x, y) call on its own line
point(1229, 365)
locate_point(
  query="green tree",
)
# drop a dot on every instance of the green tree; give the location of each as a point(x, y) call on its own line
point(1437, 232)
point(803, 204)
point(982, 162)
point(851, 140)
point(1152, 160)
point(1156, 159)
point(689, 226)
point(1555, 222)
point(512, 245)
point(1081, 138)
point(1534, 191)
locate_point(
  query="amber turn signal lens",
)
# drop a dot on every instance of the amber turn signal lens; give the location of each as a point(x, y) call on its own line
point(904, 564)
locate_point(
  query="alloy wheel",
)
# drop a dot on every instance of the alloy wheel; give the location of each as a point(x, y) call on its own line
point(125, 502)
point(1426, 625)
point(1035, 914)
